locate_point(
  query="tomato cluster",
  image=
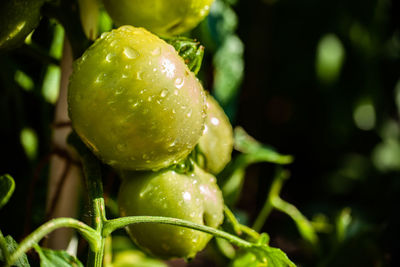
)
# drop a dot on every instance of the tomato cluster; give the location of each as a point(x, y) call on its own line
point(137, 106)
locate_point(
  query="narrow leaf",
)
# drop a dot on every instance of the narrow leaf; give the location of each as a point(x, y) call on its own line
point(56, 258)
point(244, 143)
point(7, 186)
point(11, 246)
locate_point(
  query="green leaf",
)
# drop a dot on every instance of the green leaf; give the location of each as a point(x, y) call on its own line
point(7, 186)
point(190, 50)
point(232, 177)
point(229, 70)
point(56, 258)
point(265, 256)
point(244, 143)
point(11, 246)
point(276, 257)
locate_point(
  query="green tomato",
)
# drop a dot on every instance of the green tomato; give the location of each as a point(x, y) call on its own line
point(17, 19)
point(134, 102)
point(216, 143)
point(195, 197)
point(162, 17)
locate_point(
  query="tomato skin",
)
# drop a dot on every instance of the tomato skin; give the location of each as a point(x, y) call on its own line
point(165, 18)
point(17, 19)
point(194, 197)
point(216, 143)
point(134, 102)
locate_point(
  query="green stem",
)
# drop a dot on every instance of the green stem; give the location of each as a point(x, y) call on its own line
point(275, 190)
point(115, 224)
point(303, 224)
point(86, 231)
point(238, 227)
point(94, 185)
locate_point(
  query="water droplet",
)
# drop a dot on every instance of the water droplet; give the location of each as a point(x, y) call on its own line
point(187, 196)
point(124, 76)
point(156, 51)
point(113, 43)
point(139, 75)
point(173, 111)
point(164, 93)
point(110, 57)
point(176, 92)
point(214, 121)
point(121, 147)
point(83, 57)
point(134, 105)
point(100, 77)
point(150, 98)
point(104, 35)
point(130, 53)
point(179, 83)
point(145, 156)
point(189, 113)
point(119, 90)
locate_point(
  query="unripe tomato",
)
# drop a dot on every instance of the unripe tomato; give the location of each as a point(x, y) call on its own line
point(162, 17)
point(216, 143)
point(17, 19)
point(194, 197)
point(134, 102)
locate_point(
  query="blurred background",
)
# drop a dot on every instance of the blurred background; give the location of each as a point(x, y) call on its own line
point(319, 80)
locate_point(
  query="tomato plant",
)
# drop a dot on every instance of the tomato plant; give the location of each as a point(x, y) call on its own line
point(154, 124)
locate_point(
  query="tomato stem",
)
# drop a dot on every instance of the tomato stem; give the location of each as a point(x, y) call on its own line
point(94, 185)
point(112, 225)
point(86, 231)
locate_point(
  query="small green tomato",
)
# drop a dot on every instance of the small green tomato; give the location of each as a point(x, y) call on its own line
point(162, 17)
point(216, 143)
point(195, 197)
point(134, 102)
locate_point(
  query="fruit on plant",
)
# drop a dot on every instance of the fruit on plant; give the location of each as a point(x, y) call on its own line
point(162, 17)
point(216, 143)
point(17, 19)
point(194, 197)
point(134, 102)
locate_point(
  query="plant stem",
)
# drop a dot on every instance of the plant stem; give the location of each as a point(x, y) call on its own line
point(86, 231)
point(94, 185)
point(303, 224)
point(274, 191)
point(238, 227)
point(112, 225)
